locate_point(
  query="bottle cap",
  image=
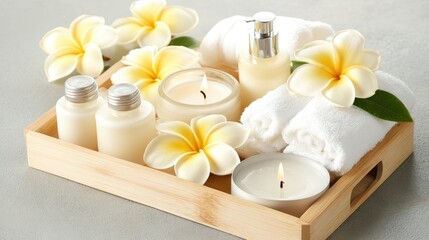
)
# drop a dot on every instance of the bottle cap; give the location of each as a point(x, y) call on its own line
point(81, 89)
point(263, 40)
point(123, 97)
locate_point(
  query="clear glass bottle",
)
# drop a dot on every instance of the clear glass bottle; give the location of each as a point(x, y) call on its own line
point(126, 124)
point(263, 68)
point(76, 112)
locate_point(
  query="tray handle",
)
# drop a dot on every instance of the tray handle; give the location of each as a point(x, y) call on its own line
point(353, 188)
point(366, 185)
point(343, 198)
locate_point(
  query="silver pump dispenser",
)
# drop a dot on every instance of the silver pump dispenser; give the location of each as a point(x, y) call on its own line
point(263, 39)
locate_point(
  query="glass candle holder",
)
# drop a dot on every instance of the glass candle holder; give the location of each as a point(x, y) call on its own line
point(198, 91)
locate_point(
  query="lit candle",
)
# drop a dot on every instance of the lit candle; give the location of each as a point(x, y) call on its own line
point(281, 175)
point(204, 88)
point(195, 92)
point(199, 92)
point(286, 182)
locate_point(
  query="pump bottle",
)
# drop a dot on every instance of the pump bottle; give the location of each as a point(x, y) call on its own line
point(262, 68)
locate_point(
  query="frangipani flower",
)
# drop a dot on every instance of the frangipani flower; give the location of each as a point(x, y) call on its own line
point(77, 48)
point(153, 23)
point(341, 69)
point(195, 151)
point(147, 67)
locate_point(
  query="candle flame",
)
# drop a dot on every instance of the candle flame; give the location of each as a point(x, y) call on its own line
point(280, 175)
point(204, 84)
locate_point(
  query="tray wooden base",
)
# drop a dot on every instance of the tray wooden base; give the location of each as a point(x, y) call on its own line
point(212, 205)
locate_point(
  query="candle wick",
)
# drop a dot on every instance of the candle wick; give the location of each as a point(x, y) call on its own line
point(281, 184)
point(204, 94)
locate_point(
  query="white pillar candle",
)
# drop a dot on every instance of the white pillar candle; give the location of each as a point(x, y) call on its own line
point(286, 182)
point(200, 91)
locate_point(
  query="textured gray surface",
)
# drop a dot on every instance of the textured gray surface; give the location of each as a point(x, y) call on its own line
point(37, 205)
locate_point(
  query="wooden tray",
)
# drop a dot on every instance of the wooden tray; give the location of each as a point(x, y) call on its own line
point(212, 205)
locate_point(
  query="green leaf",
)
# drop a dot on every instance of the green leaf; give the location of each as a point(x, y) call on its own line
point(185, 41)
point(295, 64)
point(384, 105)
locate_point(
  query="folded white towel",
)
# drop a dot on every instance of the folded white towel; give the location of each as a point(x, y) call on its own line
point(339, 137)
point(267, 117)
point(223, 43)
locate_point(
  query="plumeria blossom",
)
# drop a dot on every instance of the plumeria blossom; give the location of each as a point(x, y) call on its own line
point(207, 145)
point(78, 47)
point(153, 23)
point(341, 69)
point(147, 67)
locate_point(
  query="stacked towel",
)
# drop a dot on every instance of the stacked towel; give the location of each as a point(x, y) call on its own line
point(267, 117)
point(223, 43)
point(339, 137)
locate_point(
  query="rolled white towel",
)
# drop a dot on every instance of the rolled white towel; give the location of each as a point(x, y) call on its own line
point(223, 43)
point(267, 117)
point(339, 137)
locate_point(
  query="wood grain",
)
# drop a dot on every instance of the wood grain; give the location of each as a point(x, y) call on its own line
point(157, 189)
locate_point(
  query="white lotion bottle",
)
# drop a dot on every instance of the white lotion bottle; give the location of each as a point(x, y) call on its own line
point(126, 124)
point(76, 111)
point(263, 68)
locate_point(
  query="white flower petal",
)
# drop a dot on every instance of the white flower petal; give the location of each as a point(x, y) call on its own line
point(179, 19)
point(167, 71)
point(317, 43)
point(142, 58)
point(91, 63)
point(202, 125)
point(232, 133)
point(158, 36)
point(348, 47)
point(364, 81)
point(128, 30)
point(103, 36)
point(340, 92)
point(179, 129)
point(61, 63)
point(307, 80)
point(129, 74)
point(371, 59)
point(319, 53)
point(165, 150)
point(149, 92)
point(141, 84)
point(176, 56)
point(195, 168)
point(55, 39)
point(147, 10)
point(222, 158)
point(82, 24)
